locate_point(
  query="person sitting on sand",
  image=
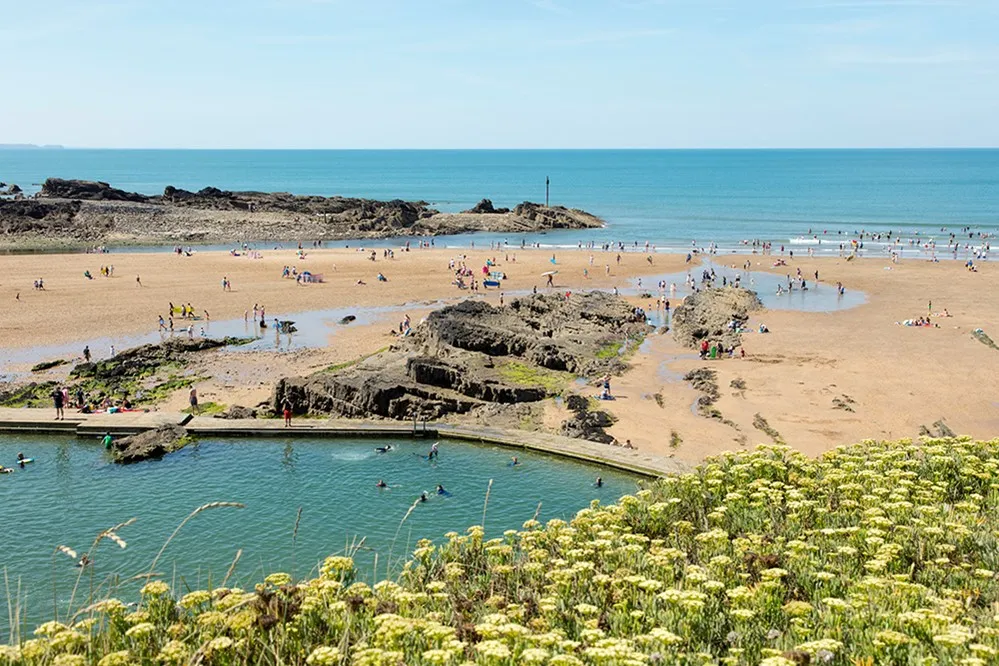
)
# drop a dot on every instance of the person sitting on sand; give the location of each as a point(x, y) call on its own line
point(381, 484)
point(361, 282)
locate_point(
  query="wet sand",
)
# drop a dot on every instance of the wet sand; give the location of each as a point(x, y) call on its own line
point(812, 369)
point(803, 378)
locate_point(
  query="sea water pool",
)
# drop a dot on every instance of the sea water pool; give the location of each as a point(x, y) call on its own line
point(73, 491)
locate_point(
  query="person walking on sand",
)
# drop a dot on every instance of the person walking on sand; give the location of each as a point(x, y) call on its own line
point(138, 281)
point(287, 414)
point(194, 401)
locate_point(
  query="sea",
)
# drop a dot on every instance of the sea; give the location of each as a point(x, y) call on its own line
point(673, 199)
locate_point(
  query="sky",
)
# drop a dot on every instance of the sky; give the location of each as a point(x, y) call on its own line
point(500, 73)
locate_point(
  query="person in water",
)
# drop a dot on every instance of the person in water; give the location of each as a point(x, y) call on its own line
point(84, 561)
point(514, 461)
point(381, 484)
point(106, 441)
point(434, 453)
point(423, 496)
point(6, 470)
point(599, 483)
point(384, 449)
point(20, 458)
point(440, 490)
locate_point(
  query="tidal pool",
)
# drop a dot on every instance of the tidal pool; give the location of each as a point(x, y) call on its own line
point(71, 492)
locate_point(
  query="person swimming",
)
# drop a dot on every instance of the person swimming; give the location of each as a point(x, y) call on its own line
point(6, 470)
point(423, 496)
point(434, 453)
point(84, 561)
point(106, 441)
point(383, 449)
point(599, 483)
point(381, 484)
point(440, 490)
point(514, 461)
point(20, 459)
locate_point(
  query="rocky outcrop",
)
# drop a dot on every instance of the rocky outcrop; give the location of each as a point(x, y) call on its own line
point(471, 355)
point(78, 210)
point(91, 190)
point(149, 445)
point(28, 217)
point(485, 207)
point(237, 412)
point(586, 424)
point(554, 217)
point(709, 313)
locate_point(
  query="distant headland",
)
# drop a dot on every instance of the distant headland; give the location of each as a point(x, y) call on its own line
point(77, 211)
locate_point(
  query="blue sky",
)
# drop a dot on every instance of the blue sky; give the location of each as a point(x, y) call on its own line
point(500, 74)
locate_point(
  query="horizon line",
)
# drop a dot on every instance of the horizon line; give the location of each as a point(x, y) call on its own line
point(27, 147)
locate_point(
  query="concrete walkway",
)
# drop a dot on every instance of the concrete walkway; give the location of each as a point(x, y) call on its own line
point(42, 421)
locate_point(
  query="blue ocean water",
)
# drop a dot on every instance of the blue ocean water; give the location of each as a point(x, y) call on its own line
point(668, 197)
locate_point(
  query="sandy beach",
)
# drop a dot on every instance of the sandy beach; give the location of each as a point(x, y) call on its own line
point(817, 380)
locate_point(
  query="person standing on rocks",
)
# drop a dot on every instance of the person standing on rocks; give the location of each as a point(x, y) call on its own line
point(194, 401)
point(287, 414)
point(86, 353)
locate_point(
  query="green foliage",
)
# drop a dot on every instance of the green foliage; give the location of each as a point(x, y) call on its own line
point(206, 409)
point(30, 395)
point(522, 374)
point(610, 350)
point(879, 553)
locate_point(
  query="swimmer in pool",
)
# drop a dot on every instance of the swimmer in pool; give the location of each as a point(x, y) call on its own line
point(381, 484)
point(514, 461)
point(383, 449)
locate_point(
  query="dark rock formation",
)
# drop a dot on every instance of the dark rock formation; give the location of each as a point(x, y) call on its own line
point(484, 207)
point(471, 355)
point(553, 217)
point(706, 315)
point(238, 412)
point(586, 424)
point(144, 360)
point(78, 210)
point(48, 365)
point(57, 188)
point(20, 217)
point(148, 445)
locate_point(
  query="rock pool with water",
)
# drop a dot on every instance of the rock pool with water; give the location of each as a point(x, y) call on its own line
point(72, 491)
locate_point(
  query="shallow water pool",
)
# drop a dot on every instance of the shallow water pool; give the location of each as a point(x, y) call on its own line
point(72, 491)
